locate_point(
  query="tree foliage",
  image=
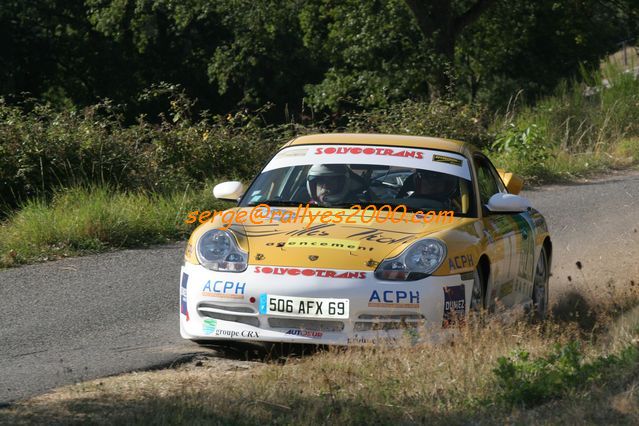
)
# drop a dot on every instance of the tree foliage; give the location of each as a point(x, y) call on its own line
point(373, 53)
point(332, 55)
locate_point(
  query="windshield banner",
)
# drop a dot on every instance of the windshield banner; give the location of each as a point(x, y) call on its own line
point(426, 159)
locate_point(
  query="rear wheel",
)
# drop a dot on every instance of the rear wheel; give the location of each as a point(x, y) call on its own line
point(540, 287)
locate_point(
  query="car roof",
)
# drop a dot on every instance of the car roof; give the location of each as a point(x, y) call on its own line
point(442, 144)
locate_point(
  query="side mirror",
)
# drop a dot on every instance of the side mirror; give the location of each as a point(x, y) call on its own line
point(508, 203)
point(228, 190)
point(513, 183)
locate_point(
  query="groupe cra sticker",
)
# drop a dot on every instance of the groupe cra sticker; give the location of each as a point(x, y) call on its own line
point(209, 327)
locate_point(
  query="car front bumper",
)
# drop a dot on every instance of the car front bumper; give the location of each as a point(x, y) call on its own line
point(226, 306)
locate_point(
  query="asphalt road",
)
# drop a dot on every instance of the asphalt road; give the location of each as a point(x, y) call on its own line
point(82, 318)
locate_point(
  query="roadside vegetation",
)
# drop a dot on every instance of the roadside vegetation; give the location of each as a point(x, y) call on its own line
point(94, 219)
point(566, 370)
point(583, 128)
point(151, 102)
point(119, 117)
point(83, 181)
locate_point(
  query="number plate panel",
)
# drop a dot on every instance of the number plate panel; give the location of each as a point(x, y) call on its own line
point(307, 307)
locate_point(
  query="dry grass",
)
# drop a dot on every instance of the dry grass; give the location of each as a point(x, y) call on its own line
point(446, 383)
point(451, 382)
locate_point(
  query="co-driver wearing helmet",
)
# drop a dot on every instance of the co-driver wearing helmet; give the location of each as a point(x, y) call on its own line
point(436, 186)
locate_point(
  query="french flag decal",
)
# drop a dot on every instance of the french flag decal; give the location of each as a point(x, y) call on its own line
point(183, 307)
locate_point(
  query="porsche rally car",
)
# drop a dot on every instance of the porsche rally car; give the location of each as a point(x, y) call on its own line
point(382, 268)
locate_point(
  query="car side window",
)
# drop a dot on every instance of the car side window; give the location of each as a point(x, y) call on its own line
point(487, 179)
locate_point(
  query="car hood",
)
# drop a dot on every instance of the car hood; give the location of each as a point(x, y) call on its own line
point(296, 240)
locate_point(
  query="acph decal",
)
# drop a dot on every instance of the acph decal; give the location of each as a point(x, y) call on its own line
point(321, 273)
point(459, 262)
point(394, 299)
point(224, 289)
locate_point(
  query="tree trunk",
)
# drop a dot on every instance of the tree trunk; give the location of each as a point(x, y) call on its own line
point(441, 28)
point(435, 21)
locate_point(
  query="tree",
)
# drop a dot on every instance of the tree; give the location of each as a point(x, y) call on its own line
point(531, 46)
point(441, 25)
point(370, 53)
point(237, 53)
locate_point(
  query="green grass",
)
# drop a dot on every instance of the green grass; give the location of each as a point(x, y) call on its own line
point(94, 219)
point(562, 167)
point(569, 134)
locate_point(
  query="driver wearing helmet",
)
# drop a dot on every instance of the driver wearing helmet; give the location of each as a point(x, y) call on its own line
point(436, 186)
point(329, 184)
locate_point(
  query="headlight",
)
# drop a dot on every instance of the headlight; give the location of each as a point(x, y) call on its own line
point(218, 251)
point(416, 262)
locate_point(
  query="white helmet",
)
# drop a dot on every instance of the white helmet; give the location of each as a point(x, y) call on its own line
point(336, 179)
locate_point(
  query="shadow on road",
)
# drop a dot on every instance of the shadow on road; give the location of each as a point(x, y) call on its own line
point(263, 352)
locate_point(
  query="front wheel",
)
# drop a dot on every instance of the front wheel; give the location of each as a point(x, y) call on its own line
point(540, 288)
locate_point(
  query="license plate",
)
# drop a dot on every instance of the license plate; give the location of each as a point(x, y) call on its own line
point(303, 306)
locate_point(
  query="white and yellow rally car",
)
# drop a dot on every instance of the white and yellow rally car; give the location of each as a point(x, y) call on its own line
point(357, 238)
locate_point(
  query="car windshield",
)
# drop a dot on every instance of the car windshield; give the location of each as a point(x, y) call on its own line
point(318, 175)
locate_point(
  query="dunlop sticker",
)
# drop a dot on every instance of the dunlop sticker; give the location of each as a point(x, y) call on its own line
point(447, 160)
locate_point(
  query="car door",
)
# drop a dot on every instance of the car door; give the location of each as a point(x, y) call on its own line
point(502, 234)
point(521, 269)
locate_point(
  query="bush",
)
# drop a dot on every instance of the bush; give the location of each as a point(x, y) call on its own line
point(44, 149)
point(578, 118)
point(523, 381)
point(440, 118)
point(526, 144)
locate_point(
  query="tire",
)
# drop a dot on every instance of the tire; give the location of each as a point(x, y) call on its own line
point(540, 291)
point(477, 296)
